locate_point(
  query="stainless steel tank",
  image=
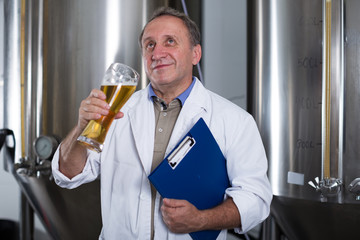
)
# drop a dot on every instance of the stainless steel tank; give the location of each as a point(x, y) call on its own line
point(303, 91)
point(55, 53)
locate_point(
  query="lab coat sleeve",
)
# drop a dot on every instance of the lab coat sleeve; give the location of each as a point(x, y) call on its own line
point(247, 169)
point(90, 172)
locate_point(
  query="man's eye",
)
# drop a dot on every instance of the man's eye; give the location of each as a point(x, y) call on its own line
point(170, 41)
point(150, 45)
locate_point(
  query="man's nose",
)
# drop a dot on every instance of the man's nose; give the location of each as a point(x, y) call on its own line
point(159, 52)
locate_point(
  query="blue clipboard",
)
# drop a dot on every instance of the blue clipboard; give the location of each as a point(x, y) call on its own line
point(195, 170)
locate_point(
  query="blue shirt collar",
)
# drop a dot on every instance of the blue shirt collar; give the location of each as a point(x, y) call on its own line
point(182, 97)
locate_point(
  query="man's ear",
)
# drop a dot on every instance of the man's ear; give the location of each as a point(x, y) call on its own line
point(196, 54)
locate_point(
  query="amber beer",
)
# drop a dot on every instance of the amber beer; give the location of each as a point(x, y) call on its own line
point(119, 84)
point(116, 97)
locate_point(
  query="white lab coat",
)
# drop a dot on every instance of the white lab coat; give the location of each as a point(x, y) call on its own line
point(126, 160)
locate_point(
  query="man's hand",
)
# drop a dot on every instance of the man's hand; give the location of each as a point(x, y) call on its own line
point(93, 107)
point(180, 216)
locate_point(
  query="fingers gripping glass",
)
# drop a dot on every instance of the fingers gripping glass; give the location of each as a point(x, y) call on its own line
point(118, 84)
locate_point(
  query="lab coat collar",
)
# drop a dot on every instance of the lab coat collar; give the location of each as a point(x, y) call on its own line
point(142, 122)
point(196, 106)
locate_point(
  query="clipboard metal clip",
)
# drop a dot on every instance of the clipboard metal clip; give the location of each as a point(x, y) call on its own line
point(180, 152)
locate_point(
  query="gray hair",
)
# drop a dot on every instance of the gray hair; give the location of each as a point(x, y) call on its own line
point(194, 33)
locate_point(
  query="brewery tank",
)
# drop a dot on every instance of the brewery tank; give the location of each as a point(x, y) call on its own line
point(303, 91)
point(55, 52)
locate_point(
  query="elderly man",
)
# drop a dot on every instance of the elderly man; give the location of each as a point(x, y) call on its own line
point(149, 126)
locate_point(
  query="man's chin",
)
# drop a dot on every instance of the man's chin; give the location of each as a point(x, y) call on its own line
point(160, 78)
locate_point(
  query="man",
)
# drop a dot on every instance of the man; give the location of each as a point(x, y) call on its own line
point(149, 126)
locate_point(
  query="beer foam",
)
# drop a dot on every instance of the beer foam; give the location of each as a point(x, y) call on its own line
point(127, 81)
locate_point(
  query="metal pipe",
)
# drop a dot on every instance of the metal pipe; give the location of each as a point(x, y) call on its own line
point(26, 219)
point(326, 90)
point(198, 64)
point(342, 92)
point(22, 76)
point(12, 21)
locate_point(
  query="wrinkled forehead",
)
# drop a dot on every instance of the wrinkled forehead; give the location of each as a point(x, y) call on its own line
point(165, 26)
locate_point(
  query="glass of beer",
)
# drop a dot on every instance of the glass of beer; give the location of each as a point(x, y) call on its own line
point(118, 84)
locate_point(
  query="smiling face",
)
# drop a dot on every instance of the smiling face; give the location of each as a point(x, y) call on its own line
point(168, 55)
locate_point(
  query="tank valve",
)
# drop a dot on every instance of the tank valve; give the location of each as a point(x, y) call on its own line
point(328, 187)
point(316, 184)
point(354, 187)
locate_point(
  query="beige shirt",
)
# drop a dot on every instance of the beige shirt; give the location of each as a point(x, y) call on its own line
point(165, 118)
